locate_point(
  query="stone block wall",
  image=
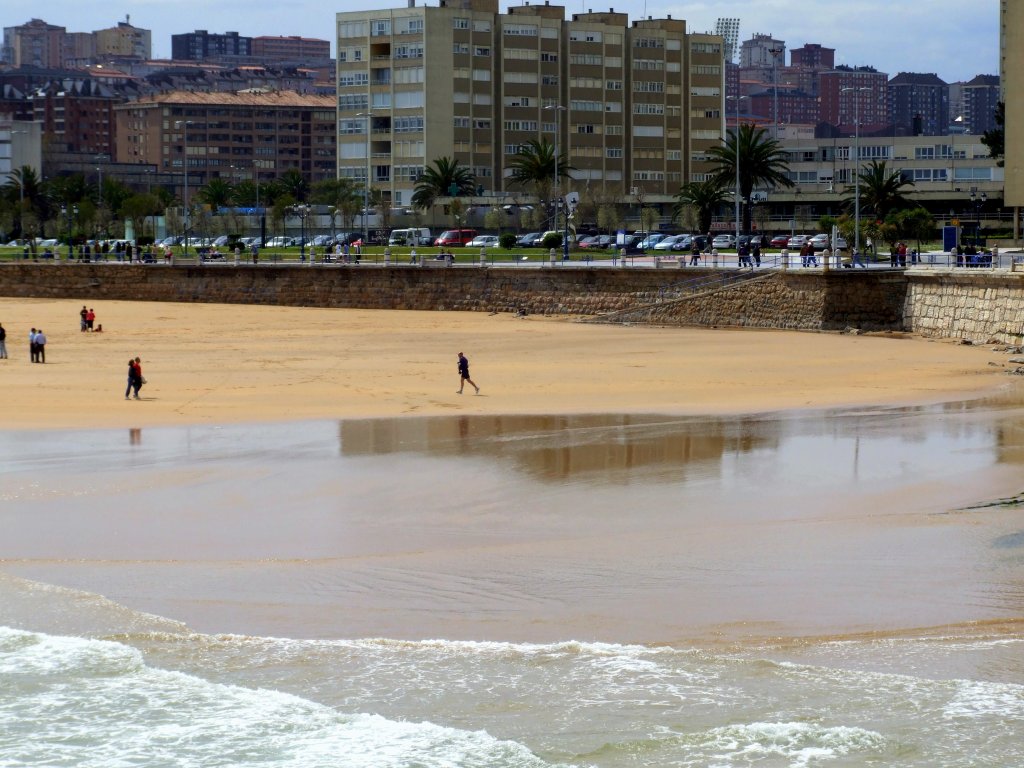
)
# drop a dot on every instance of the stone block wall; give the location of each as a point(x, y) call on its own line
point(978, 305)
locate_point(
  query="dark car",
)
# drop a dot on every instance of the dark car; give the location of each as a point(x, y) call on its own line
point(530, 240)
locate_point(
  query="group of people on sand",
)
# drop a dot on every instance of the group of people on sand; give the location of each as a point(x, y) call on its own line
point(88, 316)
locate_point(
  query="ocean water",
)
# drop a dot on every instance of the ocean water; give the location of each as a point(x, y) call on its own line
point(825, 589)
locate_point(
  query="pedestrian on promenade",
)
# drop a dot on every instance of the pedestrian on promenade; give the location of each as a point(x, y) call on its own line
point(3, 343)
point(464, 374)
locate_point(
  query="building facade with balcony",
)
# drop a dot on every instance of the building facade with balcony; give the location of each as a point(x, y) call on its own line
point(918, 104)
point(633, 106)
point(201, 45)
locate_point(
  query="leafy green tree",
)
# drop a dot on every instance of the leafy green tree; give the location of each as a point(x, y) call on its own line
point(140, 207)
point(761, 159)
point(995, 139)
point(703, 196)
point(437, 179)
point(881, 190)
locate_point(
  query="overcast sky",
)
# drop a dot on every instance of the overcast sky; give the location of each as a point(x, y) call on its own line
point(955, 39)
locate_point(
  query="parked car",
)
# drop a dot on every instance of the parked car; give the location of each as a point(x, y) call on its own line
point(587, 242)
point(348, 237)
point(651, 240)
point(797, 241)
point(483, 241)
point(279, 242)
point(412, 236)
point(453, 238)
point(529, 240)
point(668, 243)
point(724, 241)
point(779, 241)
point(820, 242)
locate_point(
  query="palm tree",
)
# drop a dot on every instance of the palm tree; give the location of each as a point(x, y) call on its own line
point(293, 183)
point(437, 180)
point(705, 196)
point(880, 190)
point(535, 164)
point(216, 194)
point(761, 159)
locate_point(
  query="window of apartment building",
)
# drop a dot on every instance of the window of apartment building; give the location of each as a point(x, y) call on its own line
point(408, 52)
point(648, 109)
point(520, 54)
point(648, 42)
point(550, 33)
point(409, 25)
point(673, 154)
point(705, 113)
point(713, 91)
point(513, 149)
point(409, 99)
point(482, 124)
point(586, 128)
point(924, 153)
point(521, 125)
point(460, 122)
point(613, 106)
point(405, 75)
point(648, 64)
point(408, 172)
point(482, 50)
point(352, 172)
point(482, 75)
point(349, 79)
point(612, 62)
point(529, 78)
point(584, 36)
point(349, 101)
point(585, 82)
point(352, 29)
point(481, 25)
point(460, 97)
point(706, 69)
point(613, 85)
point(586, 59)
point(648, 86)
point(548, 127)
point(482, 98)
point(673, 44)
point(349, 127)
point(460, 23)
point(348, 150)
point(549, 57)
point(350, 54)
point(648, 176)
point(613, 130)
point(613, 152)
point(408, 125)
point(648, 154)
point(482, 172)
point(518, 101)
point(381, 101)
point(706, 134)
point(705, 48)
point(460, 48)
point(586, 106)
point(524, 30)
point(380, 27)
point(460, 73)
point(407, 148)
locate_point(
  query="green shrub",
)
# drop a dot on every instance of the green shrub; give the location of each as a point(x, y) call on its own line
point(552, 240)
point(507, 241)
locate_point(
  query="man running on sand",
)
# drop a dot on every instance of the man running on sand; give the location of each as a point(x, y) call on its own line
point(464, 374)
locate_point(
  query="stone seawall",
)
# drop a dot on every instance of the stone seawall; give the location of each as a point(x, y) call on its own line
point(978, 305)
point(870, 301)
point(966, 304)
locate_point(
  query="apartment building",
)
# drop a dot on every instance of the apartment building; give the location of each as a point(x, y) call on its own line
point(1011, 64)
point(201, 45)
point(851, 95)
point(248, 135)
point(918, 104)
point(633, 106)
point(291, 48)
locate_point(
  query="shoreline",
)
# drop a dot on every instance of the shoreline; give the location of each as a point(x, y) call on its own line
point(221, 364)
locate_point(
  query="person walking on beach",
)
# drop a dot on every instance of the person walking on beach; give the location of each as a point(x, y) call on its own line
point(3, 343)
point(40, 346)
point(132, 376)
point(90, 318)
point(32, 353)
point(83, 315)
point(464, 374)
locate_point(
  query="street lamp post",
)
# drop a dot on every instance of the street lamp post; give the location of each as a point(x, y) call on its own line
point(366, 187)
point(301, 211)
point(775, 90)
point(978, 201)
point(736, 135)
point(184, 124)
point(856, 168)
point(558, 110)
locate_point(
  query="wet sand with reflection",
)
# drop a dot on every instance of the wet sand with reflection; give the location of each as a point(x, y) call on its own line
point(621, 528)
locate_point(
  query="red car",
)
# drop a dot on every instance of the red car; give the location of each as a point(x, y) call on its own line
point(780, 241)
point(455, 237)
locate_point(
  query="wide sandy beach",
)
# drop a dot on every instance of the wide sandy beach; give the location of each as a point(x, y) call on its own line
point(208, 364)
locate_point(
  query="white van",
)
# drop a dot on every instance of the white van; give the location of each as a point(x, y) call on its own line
point(414, 236)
